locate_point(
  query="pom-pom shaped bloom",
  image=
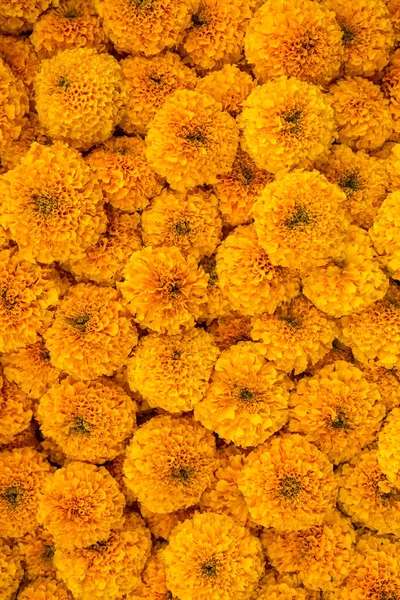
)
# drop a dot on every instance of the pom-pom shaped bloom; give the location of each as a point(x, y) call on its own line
point(300, 218)
point(172, 372)
point(23, 473)
point(211, 556)
point(385, 233)
point(20, 56)
point(299, 39)
point(19, 15)
point(231, 330)
point(163, 290)
point(14, 105)
point(169, 463)
point(80, 505)
point(230, 86)
point(287, 123)
point(362, 113)
point(297, 336)
point(338, 410)
point(351, 281)
point(161, 525)
point(191, 222)
point(44, 588)
point(389, 449)
point(92, 333)
point(90, 421)
point(218, 305)
point(15, 411)
point(149, 82)
point(288, 484)
point(388, 382)
point(247, 399)
point(107, 570)
point(11, 571)
point(80, 96)
point(240, 258)
point(367, 34)
point(37, 552)
point(191, 140)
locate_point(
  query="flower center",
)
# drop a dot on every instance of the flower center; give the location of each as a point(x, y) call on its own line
point(79, 427)
point(182, 474)
point(197, 137)
point(155, 78)
point(79, 321)
point(348, 34)
point(174, 289)
point(293, 119)
point(13, 495)
point(182, 227)
point(289, 487)
point(245, 394)
point(292, 321)
point(350, 183)
point(340, 421)
point(63, 82)
point(48, 553)
point(209, 568)
point(199, 18)
point(299, 218)
point(45, 205)
point(176, 354)
point(247, 174)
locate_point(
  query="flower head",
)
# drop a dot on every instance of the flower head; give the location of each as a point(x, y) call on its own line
point(45, 587)
point(385, 233)
point(15, 411)
point(11, 571)
point(231, 330)
point(17, 16)
point(19, 54)
point(14, 105)
point(230, 86)
point(388, 447)
point(37, 552)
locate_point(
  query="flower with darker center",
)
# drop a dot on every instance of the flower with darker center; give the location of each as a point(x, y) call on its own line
point(340, 421)
point(350, 183)
point(79, 322)
point(174, 289)
point(155, 78)
point(45, 205)
point(245, 394)
point(182, 227)
point(209, 568)
point(176, 354)
point(348, 34)
point(63, 82)
point(289, 487)
point(292, 321)
point(248, 175)
point(299, 218)
point(197, 137)
point(293, 119)
point(182, 474)
point(71, 14)
point(13, 495)
point(79, 427)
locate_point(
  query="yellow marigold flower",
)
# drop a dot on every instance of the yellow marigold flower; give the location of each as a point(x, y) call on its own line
point(288, 484)
point(169, 463)
point(385, 233)
point(44, 588)
point(231, 330)
point(394, 12)
point(338, 410)
point(11, 571)
point(388, 448)
point(211, 556)
point(388, 382)
point(287, 123)
point(321, 556)
point(15, 411)
point(247, 400)
point(154, 586)
point(115, 468)
point(149, 82)
point(14, 104)
point(162, 525)
point(27, 438)
point(351, 281)
point(230, 86)
point(37, 552)
point(297, 336)
point(163, 290)
point(362, 113)
point(80, 96)
point(108, 569)
point(367, 34)
point(366, 495)
point(23, 472)
point(299, 39)
point(19, 15)
point(172, 372)
point(191, 140)
point(92, 333)
point(90, 421)
point(20, 56)
point(241, 258)
point(73, 24)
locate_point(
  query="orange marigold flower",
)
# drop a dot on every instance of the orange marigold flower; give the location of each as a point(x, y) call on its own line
point(211, 556)
point(295, 38)
point(388, 382)
point(23, 472)
point(149, 82)
point(163, 290)
point(20, 56)
point(287, 123)
point(17, 16)
point(37, 552)
point(162, 525)
point(44, 588)
point(288, 484)
point(230, 86)
point(15, 411)
point(14, 104)
point(80, 96)
point(116, 469)
point(11, 571)
point(338, 410)
point(385, 233)
point(231, 330)
point(169, 463)
point(388, 448)
point(362, 113)
point(218, 305)
point(92, 333)
point(191, 140)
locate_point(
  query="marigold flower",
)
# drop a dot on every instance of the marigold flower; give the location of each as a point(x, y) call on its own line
point(37, 552)
point(287, 123)
point(23, 473)
point(230, 86)
point(288, 484)
point(14, 105)
point(297, 336)
point(19, 15)
point(80, 96)
point(15, 411)
point(163, 290)
point(385, 233)
point(20, 56)
point(388, 382)
point(162, 525)
point(338, 410)
point(210, 556)
point(231, 330)
point(388, 448)
point(362, 113)
point(191, 140)
point(169, 463)
point(45, 587)
point(11, 571)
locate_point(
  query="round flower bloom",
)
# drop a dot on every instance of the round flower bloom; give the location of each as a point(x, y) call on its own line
point(149, 82)
point(299, 39)
point(247, 400)
point(37, 552)
point(19, 15)
point(351, 281)
point(388, 448)
point(125, 177)
point(367, 34)
point(73, 24)
point(23, 472)
point(240, 258)
point(11, 571)
point(14, 105)
point(210, 556)
point(297, 336)
point(230, 86)
point(52, 204)
point(80, 96)
point(338, 410)
point(43, 588)
point(385, 233)
point(189, 221)
point(218, 305)
point(191, 140)
point(231, 330)
point(20, 56)
point(172, 372)
point(163, 290)
point(300, 219)
point(154, 586)
point(169, 463)
point(162, 525)
point(321, 556)
point(80, 505)
point(388, 382)
point(110, 568)
point(287, 123)
point(90, 421)
point(362, 113)
point(288, 484)
point(15, 411)
point(366, 495)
